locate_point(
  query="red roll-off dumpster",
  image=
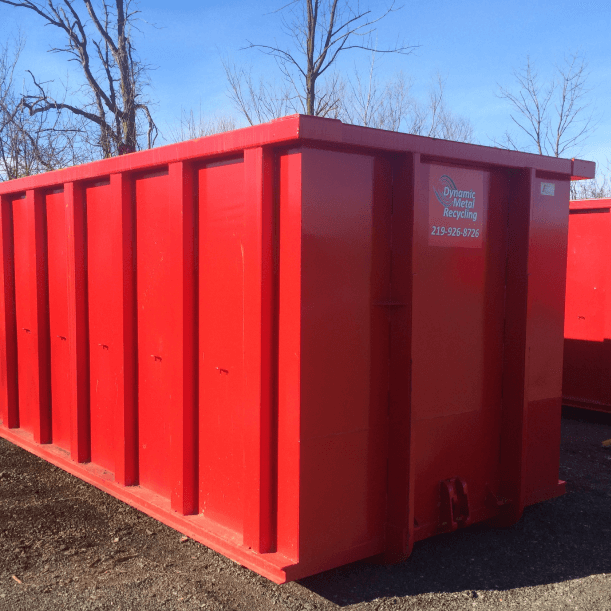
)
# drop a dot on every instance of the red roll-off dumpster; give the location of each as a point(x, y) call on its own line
point(587, 326)
point(302, 343)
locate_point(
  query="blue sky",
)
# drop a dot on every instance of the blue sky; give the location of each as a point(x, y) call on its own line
point(474, 44)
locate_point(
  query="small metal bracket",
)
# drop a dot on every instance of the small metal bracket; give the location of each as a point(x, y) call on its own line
point(494, 501)
point(454, 509)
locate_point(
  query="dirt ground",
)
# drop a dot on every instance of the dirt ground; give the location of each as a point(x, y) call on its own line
point(66, 545)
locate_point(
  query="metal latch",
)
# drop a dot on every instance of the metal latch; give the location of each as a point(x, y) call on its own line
point(454, 510)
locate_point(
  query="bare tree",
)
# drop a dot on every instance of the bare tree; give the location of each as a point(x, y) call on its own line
point(367, 103)
point(30, 144)
point(371, 104)
point(359, 100)
point(191, 126)
point(553, 117)
point(392, 106)
point(318, 31)
point(114, 78)
point(259, 100)
point(435, 120)
point(596, 188)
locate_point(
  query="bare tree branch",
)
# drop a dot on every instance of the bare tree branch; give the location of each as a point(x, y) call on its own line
point(392, 107)
point(260, 101)
point(191, 126)
point(319, 31)
point(33, 143)
point(596, 188)
point(554, 116)
point(114, 79)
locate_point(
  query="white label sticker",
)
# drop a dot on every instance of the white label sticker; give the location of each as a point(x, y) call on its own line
point(548, 188)
point(457, 204)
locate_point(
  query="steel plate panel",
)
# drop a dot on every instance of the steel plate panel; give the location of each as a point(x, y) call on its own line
point(59, 318)
point(221, 342)
point(457, 346)
point(105, 341)
point(154, 311)
point(31, 295)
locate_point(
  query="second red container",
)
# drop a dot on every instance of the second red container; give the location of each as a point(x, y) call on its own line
point(587, 327)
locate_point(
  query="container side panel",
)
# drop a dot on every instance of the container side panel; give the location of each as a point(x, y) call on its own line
point(155, 313)
point(337, 474)
point(513, 429)
point(183, 338)
point(336, 287)
point(105, 288)
point(585, 377)
point(400, 494)
point(9, 394)
point(457, 349)
point(25, 265)
point(586, 276)
point(31, 293)
point(547, 277)
point(343, 393)
point(78, 339)
point(289, 354)
point(58, 319)
point(542, 441)
point(221, 347)
point(587, 344)
point(259, 347)
point(607, 280)
point(123, 247)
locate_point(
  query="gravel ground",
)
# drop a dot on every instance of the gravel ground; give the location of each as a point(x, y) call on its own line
point(66, 545)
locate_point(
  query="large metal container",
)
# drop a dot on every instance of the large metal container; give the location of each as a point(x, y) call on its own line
point(302, 343)
point(587, 326)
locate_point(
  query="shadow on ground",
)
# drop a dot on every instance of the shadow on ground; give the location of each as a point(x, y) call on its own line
point(66, 545)
point(559, 540)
